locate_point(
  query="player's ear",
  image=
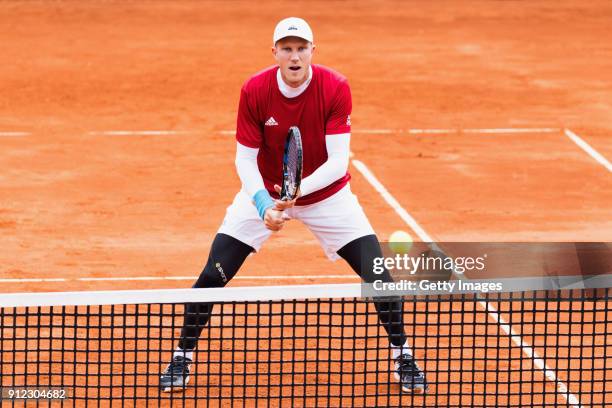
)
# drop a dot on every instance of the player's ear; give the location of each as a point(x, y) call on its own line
point(274, 52)
point(312, 50)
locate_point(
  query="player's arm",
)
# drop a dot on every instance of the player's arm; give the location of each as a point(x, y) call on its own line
point(249, 136)
point(338, 151)
point(334, 168)
point(252, 183)
point(248, 171)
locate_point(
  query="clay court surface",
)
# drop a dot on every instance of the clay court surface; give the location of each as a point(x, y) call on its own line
point(77, 202)
point(117, 145)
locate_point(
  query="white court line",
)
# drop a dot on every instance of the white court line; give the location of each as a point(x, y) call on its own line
point(481, 130)
point(123, 278)
point(138, 132)
point(430, 131)
point(376, 131)
point(14, 134)
point(240, 277)
point(188, 278)
point(408, 219)
point(512, 130)
point(297, 277)
point(538, 362)
point(16, 280)
point(587, 148)
point(384, 131)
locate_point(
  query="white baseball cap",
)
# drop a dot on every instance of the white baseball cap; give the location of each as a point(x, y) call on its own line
point(292, 27)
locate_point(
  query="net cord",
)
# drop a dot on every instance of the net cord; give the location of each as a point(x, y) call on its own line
point(190, 295)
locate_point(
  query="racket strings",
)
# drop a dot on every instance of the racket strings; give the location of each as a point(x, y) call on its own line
point(293, 166)
point(293, 158)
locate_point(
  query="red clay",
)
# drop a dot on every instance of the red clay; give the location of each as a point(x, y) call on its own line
point(76, 205)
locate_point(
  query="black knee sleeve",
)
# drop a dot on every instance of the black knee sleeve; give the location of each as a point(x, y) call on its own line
point(227, 254)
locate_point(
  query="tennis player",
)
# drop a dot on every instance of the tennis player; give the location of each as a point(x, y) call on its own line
point(317, 100)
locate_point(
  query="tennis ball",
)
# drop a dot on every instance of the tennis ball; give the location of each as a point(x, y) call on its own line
point(400, 242)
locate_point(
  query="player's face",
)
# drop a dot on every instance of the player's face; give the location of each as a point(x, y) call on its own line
point(293, 56)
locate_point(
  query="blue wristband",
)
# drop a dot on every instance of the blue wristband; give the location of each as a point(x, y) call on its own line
point(263, 201)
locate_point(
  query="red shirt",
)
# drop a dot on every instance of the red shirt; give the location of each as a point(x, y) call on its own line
point(265, 116)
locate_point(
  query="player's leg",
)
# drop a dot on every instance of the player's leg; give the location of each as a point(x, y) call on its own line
point(227, 254)
point(343, 230)
point(360, 254)
point(241, 233)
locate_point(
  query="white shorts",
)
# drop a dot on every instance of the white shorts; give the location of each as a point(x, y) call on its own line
point(335, 221)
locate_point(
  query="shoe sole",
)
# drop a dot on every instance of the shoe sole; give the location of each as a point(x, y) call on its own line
point(176, 387)
point(416, 389)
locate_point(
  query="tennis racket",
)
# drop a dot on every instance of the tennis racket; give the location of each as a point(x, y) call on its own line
point(292, 165)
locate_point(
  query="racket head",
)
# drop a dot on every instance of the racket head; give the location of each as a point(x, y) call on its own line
point(292, 164)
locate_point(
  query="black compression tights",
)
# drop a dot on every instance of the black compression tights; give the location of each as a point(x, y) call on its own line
point(360, 254)
point(227, 255)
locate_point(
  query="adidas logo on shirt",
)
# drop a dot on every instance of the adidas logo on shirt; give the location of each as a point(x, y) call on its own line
point(348, 120)
point(271, 122)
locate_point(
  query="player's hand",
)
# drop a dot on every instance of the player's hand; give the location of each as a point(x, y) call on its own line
point(283, 205)
point(273, 219)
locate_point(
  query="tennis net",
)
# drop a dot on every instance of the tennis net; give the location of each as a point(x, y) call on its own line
point(309, 346)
